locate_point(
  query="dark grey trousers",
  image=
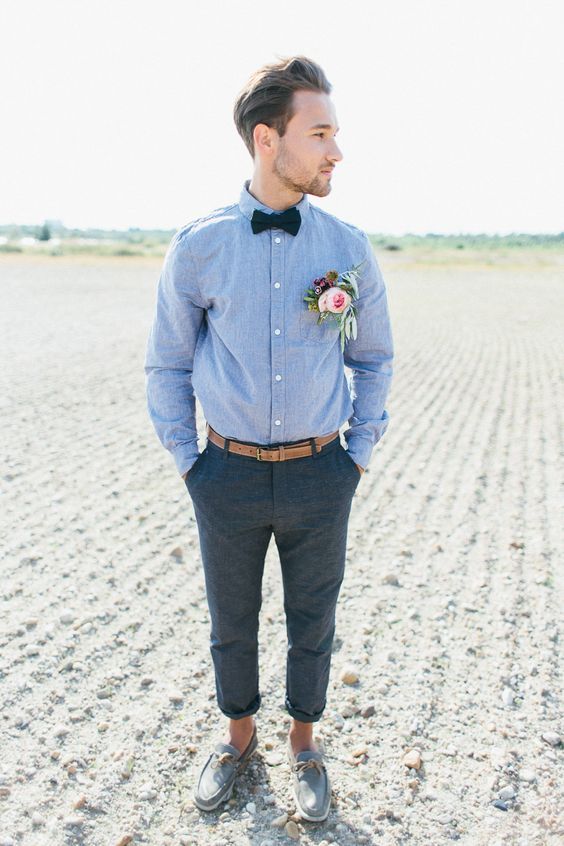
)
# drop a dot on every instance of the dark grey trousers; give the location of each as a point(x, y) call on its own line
point(239, 502)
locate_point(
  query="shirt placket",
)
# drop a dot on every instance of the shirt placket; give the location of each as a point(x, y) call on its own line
point(277, 421)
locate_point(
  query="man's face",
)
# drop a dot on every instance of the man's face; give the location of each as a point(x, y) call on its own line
point(308, 152)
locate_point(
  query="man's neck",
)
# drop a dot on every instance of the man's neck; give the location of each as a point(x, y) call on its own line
point(272, 195)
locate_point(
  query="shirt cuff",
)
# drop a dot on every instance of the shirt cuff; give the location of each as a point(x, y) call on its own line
point(360, 452)
point(185, 455)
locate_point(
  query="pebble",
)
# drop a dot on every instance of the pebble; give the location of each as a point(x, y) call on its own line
point(500, 805)
point(527, 775)
point(350, 676)
point(66, 617)
point(7, 841)
point(60, 731)
point(444, 819)
point(147, 791)
point(37, 819)
point(412, 758)
point(338, 721)
point(31, 650)
point(251, 808)
point(274, 759)
point(507, 696)
point(499, 757)
point(176, 697)
point(292, 830)
point(390, 579)
point(367, 711)
point(71, 821)
point(104, 693)
point(551, 738)
point(279, 822)
point(128, 838)
point(507, 792)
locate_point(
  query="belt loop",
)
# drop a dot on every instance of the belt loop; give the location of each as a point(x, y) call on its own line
point(313, 447)
point(225, 449)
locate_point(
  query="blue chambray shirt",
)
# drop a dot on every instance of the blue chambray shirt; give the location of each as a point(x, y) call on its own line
point(231, 328)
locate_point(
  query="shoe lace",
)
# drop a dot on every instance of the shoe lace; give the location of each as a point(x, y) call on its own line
point(224, 758)
point(311, 762)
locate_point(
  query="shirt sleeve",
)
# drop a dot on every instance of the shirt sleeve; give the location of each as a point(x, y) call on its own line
point(370, 358)
point(169, 357)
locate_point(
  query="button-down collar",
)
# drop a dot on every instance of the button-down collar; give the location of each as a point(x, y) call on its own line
point(248, 203)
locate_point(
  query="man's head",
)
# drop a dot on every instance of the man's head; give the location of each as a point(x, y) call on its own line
point(287, 120)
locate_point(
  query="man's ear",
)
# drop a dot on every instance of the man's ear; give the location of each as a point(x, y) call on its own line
point(264, 138)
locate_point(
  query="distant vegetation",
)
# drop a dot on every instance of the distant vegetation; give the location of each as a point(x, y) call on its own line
point(463, 241)
point(52, 238)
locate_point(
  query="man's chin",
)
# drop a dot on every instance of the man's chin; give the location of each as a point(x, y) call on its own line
point(319, 190)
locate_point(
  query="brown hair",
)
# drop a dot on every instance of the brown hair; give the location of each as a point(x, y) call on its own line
point(267, 97)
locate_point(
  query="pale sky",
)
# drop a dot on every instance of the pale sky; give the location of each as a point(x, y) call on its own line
point(118, 113)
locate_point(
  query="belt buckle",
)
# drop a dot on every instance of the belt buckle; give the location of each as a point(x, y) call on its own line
point(258, 454)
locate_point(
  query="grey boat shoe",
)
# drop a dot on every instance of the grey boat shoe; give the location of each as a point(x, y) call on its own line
point(310, 784)
point(215, 784)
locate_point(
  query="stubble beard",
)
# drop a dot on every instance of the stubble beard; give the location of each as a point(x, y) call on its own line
point(288, 172)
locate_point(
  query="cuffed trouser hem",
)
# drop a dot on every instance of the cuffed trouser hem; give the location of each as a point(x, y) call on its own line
point(303, 716)
point(248, 712)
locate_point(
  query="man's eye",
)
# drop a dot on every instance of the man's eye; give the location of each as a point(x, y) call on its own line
point(320, 133)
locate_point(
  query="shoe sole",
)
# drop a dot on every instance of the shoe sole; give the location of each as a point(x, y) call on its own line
point(225, 797)
point(304, 814)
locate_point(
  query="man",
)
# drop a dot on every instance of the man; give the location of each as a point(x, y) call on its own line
point(232, 328)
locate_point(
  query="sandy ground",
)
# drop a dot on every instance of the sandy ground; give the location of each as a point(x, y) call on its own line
point(450, 612)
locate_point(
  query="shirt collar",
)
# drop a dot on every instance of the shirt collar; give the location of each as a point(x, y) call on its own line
point(248, 203)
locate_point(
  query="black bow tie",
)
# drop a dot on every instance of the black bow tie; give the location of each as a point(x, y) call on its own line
point(289, 220)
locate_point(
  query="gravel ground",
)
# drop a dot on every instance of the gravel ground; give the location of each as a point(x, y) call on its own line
point(449, 616)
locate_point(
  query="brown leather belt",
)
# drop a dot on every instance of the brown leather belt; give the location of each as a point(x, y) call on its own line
point(279, 453)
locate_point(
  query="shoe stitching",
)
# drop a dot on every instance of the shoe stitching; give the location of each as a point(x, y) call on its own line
point(311, 762)
point(224, 758)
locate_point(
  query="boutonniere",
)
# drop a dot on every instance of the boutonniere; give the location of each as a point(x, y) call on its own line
point(332, 296)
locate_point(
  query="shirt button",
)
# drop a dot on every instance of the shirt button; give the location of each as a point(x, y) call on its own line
point(278, 377)
point(277, 240)
point(277, 331)
point(277, 284)
point(277, 422)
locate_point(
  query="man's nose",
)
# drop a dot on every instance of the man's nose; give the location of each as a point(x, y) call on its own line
point(335, 154)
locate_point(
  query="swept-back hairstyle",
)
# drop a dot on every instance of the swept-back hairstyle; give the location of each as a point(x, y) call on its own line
point(267, 97)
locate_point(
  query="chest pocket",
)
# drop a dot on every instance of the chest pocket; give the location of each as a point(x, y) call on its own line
point(325, 334)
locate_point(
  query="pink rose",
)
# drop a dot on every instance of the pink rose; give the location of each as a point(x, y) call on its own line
point(335, 300)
